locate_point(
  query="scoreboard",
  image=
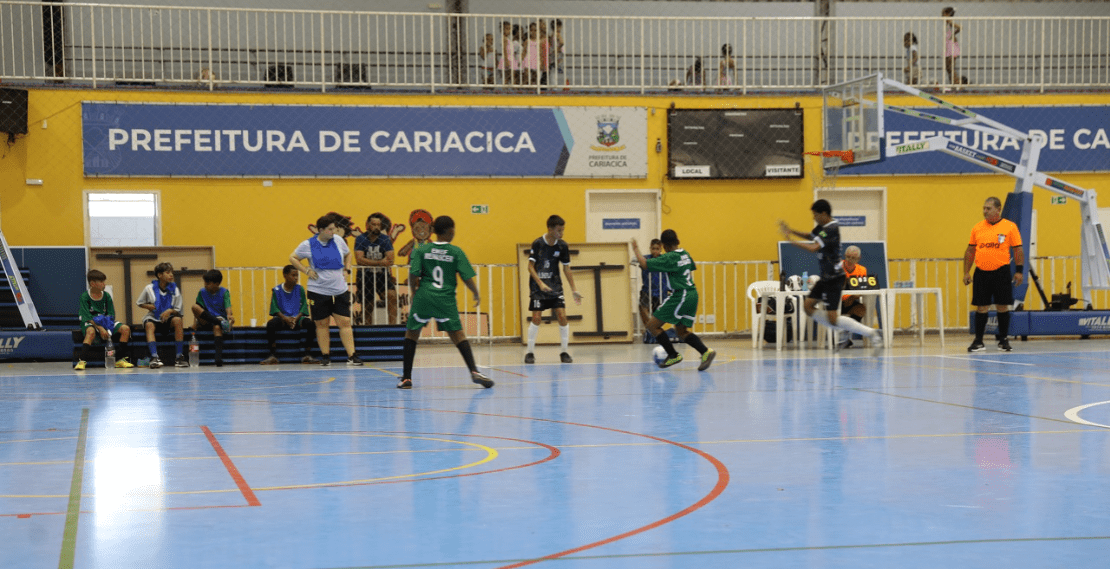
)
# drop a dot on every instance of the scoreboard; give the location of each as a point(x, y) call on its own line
point(734, 143)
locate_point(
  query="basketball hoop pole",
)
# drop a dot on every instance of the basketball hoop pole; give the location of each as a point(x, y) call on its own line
point(1095, 254)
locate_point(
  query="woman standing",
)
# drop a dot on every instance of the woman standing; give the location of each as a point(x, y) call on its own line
point(329, 263)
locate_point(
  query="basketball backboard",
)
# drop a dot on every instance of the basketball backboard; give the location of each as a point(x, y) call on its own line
point(853, 119)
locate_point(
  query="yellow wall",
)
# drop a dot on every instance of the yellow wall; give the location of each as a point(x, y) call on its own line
point(252, 225)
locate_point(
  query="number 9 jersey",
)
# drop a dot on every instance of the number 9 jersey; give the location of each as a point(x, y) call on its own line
point(436, 265)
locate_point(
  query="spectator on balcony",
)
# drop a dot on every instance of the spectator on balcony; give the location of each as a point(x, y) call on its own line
point(556, 54)
point(545, 51)
point(518, 63)
point(530, 58)
point(487, 61)
point(506, 61)
point(951, 45)
point(912, 69)
point(206, 76)
point(695, 75)
point(726, 72)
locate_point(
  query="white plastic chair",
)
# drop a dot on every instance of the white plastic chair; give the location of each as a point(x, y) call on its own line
point(754, 291)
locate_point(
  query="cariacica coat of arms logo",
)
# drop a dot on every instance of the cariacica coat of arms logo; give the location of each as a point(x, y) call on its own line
point(608, 133)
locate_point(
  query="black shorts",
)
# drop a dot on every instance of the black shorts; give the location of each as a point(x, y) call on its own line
point(204, 325)
point(541, 304)
point(163, 328)
point(992, 287)
point(370, 281)
point(651, 303)
point(829, 291)
point(322, 306)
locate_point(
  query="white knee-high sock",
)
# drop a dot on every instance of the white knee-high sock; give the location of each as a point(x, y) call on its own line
point(850, 325)
point(843, 323)
point(564, 336)
point(533, 331)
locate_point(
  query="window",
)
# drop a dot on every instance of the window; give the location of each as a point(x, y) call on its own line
point(121, 219)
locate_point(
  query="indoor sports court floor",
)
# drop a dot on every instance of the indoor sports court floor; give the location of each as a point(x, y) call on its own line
point(918, 458)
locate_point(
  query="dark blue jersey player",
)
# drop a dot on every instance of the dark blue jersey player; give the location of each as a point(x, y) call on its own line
point(825, 241)
point(545, 286)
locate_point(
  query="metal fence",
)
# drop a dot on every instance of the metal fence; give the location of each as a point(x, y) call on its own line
point(104, 44)
point(724, 309)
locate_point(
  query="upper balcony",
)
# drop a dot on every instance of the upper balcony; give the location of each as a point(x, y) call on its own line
point(102, 45)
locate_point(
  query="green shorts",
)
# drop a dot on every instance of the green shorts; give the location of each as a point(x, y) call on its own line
point(424, 311)
point(681, 307)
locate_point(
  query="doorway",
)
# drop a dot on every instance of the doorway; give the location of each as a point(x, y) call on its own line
point(860, 211)
point(620, 215)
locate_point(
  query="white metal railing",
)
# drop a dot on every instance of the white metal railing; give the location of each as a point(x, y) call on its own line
point(103, 43)
point(723, 310)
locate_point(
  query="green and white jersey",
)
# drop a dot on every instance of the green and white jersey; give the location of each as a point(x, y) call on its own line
point(436, 264)
point(679, 267)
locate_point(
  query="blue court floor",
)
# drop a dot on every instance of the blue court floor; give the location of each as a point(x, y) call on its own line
point(918, 457)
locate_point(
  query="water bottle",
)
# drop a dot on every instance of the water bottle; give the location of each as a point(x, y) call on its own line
point(805, 280)
point(194, 352)
point(109, 355)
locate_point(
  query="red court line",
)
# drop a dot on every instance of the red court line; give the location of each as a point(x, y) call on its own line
point(230, 466)
point(722, 470)
point(722, 483)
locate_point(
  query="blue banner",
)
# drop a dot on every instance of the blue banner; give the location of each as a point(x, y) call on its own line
point(126, 139)
point(1076, 140)
point(852, 220)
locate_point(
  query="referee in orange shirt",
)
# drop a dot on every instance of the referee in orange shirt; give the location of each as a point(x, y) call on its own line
point(992, 241)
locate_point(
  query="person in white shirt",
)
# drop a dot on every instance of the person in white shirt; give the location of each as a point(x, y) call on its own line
point(912, 69)
point(329, 263)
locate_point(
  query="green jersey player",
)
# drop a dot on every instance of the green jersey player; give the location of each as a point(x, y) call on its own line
point(681, 306)
point(432, 275)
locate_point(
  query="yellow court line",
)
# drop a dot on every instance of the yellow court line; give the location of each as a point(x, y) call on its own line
point(393, 373)
point(491, 454)
point(38, 440)
point(495, 454)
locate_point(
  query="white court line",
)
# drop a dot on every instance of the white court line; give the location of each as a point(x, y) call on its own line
point(975, 359)
point(1073, 414)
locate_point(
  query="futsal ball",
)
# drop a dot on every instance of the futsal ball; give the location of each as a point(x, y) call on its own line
point(659, 355)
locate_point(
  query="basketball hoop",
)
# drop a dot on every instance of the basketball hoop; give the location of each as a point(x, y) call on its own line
point(824, 166)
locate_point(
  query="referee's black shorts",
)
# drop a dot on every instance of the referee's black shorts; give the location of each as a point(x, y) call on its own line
point(992, 287)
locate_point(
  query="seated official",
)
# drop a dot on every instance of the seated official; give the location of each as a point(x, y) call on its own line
point(856, 273)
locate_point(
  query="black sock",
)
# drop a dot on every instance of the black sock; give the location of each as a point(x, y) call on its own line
point(694, 341)
point(980, 325)
point(467, 354)
point(124, 350)
point(410, 354)
point(219, 347)
point(85, 351)
point(665, 341)
point(1003, 325)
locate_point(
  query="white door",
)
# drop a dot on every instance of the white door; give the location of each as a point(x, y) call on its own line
point(620, 215)
point(860, 211)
